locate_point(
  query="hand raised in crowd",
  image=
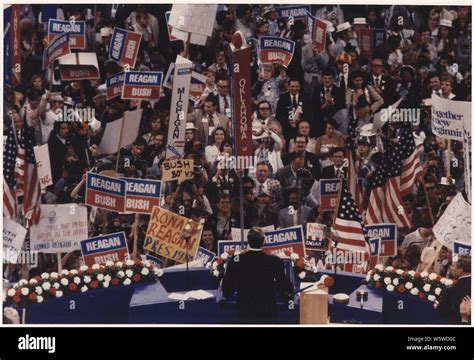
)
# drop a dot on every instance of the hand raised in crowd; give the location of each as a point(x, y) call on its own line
point(465, 308)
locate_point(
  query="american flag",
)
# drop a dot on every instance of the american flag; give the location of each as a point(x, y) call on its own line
point(393, 179)
point(353, 174)
point(9, 182)
point(27, 172)
point(348, 226)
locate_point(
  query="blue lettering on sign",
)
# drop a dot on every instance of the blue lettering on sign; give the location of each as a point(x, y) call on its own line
point(103, 243)
point(117, 44)
point(60, 26)
point(329, 186)
point(382, 231)
point(375, 246)
point(284, 237)
point(146, 78)
point(105, 184)
point(227, 245)
point(462, 249)
point(296, 12)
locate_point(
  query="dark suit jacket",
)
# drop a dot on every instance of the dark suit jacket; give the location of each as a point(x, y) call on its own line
point(311, 161)
point(285, 107)
point(451, 298)
point(328, 172)
point(57, 155)
point(320, 115)
point(255, 276)
point(285, 176)
point(387, 86)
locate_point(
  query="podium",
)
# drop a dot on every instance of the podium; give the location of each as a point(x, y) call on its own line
point(314, 306)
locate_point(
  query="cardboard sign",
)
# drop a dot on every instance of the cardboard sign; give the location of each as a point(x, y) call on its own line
point(166, 235)
point(242, 121)
point(13, 234)
point(276, 50)
point(76, 29)
point(447, 117)
point(124, 47)
point(111, 141)
point(142, 85)
point(329, 189)
point(105, 192)
point(43, 165)
point(179, 108)
point(190, 18)
point(170, 28)
point(79, 66)
point(229, 245)
point(366, 41)
point(114, 85)
point(197, 87)
point(141, 195)
point(60, 228)
point(278, 241)
point(455, 223)
point(181, 169)
point(205, 255)
point(100, 249)
point(388, 237)
point(297, 12)
point(320, 31)
point(57, 48)
point(13, 238)
point(315, 237)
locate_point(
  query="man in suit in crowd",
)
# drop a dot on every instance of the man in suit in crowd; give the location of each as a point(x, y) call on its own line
point(288, 175)
point(336, 170)
point(382, 83)
point(207, 119)
point(453, 296)
point(224, 102)
point(328, 99)
point(295, 214)
point(254, 275)
point(311, 160)
point(272, 186)
point(292, 105)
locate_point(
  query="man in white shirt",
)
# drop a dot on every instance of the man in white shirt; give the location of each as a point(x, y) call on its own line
point(421, 237)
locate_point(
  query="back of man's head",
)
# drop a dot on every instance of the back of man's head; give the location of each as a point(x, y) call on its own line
point(464, 262)
point(256, 238)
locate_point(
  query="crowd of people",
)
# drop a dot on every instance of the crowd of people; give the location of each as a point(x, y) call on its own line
point(299, 122)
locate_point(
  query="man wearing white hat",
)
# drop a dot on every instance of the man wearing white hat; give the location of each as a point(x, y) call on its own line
point(344, 35)
point(55, 113)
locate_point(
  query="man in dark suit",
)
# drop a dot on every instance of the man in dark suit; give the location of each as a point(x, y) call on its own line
point(336, 170)
point(452, 296)
point(58, 143)
point(292, 105)
point(311, 160)
point(382, 83)
point(254, 275)
point(328, 99)
point(288, 175)
point(207, 119)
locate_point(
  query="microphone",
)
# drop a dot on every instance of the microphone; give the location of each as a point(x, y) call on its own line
point(325, 280)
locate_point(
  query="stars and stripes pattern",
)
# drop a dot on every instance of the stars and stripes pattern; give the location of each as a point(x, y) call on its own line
point(348, 227)
point(353, 173)
point(393, 179)
point(411, 168)
point(9, 181)
point(26, 167)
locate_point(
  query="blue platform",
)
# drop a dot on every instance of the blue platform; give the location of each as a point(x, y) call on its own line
point(148, 303)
